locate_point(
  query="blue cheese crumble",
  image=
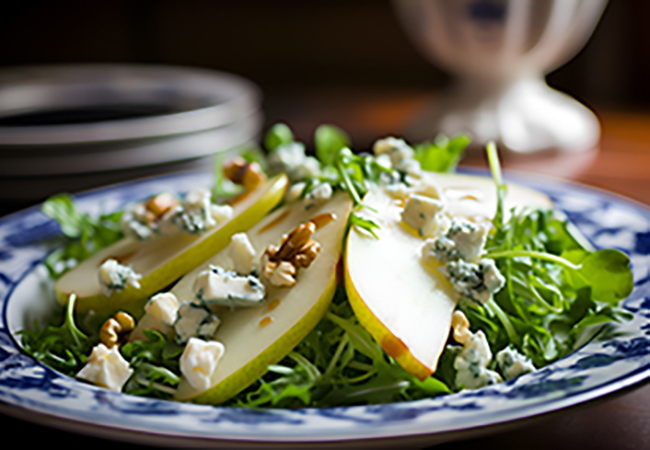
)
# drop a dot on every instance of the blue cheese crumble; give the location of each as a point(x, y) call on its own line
point(471, 364)
point(460, 248)
point(463, 240)
point(513, 364)
point(221, 287)
point(318, 195)
point(400, 154)
point(195, 215)
point(424, 214)
point(114, 276)
point(291, 159)
point(475, 281)
point(195, 320)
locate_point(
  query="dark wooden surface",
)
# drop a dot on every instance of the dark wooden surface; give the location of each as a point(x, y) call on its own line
point(621, 164)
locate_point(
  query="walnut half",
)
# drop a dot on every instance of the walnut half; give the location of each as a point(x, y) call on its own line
point(116, 329)
point(240, 171)
point(297, 250)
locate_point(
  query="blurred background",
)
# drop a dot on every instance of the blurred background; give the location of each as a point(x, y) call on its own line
point(300, 52)
point(346, 62)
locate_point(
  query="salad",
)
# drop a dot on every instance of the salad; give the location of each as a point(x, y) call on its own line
point(328, 280)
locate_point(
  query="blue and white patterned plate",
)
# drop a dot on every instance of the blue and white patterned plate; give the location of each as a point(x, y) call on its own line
point(598, 369)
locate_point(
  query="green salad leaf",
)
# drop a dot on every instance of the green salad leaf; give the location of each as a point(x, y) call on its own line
point(557, 287)
point(155, 364)
point(337, 364)
point(62, 347)
point(279, 134)
point(83, 234)
point(329, 140)
point(443, 154)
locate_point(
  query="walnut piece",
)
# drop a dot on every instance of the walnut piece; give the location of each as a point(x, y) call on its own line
point(160, 204)
point(460, 325)
point(240, 171)
point(116, 329)
point(297, 250)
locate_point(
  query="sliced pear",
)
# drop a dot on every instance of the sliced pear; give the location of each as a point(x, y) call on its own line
point(406, 305)
point(163, 259)
point(259, 336)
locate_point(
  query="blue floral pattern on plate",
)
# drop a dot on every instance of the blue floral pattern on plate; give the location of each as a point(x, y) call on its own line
point(593, 371)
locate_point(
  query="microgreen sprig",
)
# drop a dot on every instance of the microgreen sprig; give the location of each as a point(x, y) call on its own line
point(83, 235)
point(63, 347)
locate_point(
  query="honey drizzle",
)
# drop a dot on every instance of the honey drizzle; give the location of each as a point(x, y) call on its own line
point(265, 321)
point(272, 305)
point(274, 222)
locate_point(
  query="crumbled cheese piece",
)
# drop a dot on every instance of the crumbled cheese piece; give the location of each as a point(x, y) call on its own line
point(113, 276)
point(463, 240)
point(291, 159)
point(426, 188)
point(193, 320)
point(242, 253)
point(423, 214)
point(196, 214)
point(163, 308)
point(199, 361)
point(318, 195)
point(294, 192)
point(400, 154)
point(221, 287)
point(221, 213)
point(513, 364)
point(398, 191)
point(106, 367)
point(475, 281)
point(166, 226)
point(471, 364)
point(492, 278)
point(133, 223)
point(144, 219)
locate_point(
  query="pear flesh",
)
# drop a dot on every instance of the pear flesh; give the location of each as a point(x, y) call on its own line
point(258, 336)
point(162, 259)
point(406, 304)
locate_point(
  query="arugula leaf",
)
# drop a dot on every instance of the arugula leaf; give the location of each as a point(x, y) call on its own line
point(279, 134)
point(443, 154)
point(63, 347)
point(495, 168)
point(329, 140)
point(338, 363)
point(84, 235)
point(155, 364)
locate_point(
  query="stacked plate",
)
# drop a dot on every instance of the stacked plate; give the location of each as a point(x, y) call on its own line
point(66, 128)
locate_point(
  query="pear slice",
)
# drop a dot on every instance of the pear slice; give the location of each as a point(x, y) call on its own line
point(163, 259)
point(406, 305)
point(259, 336)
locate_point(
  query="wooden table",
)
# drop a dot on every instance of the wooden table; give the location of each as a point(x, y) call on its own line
point(621, 164)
